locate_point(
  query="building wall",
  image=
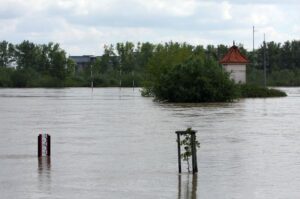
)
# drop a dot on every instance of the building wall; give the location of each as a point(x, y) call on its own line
point(237, 72)
point(83, 61)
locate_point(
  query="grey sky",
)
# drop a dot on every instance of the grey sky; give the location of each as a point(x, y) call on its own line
point(85, 26)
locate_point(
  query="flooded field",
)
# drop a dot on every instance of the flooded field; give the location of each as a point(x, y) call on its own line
point(114, 144)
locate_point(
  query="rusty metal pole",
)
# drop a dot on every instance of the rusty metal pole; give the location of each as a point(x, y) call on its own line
point(44, 145)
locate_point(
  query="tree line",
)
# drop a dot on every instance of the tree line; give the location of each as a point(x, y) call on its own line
point(35, 65)
point(47, 65)
point(282, 63)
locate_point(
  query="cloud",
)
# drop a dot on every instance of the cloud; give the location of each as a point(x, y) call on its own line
point(84, 26)
point(226, 10)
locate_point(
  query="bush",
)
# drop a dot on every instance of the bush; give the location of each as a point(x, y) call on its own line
point(252, 91)
point(5, 77)
point(20, 78)
point(195, 80)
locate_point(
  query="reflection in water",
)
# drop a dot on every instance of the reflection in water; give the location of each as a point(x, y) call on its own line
point(255, 142)
point(189, 191)
point(44, 174)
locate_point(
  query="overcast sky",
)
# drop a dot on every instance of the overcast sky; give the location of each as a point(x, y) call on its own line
point(85, 26)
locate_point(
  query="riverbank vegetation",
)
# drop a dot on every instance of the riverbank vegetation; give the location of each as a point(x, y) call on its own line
point(35, 65)
point(254, 91)
point(192, 77)
point(47, 65)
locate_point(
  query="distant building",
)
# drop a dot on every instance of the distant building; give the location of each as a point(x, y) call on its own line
point(83, 61)
point(235, 63)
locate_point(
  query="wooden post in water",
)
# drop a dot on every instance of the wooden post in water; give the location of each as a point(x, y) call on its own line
point(192, 133)
point(179, 152)
point(133, 85)
point(44, 145)
point(194, 152)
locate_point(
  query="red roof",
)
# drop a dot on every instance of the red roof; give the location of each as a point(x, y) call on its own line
point(234, 56)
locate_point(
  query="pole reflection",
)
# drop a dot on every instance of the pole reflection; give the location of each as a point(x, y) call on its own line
point(187, 187)
point(44, 174)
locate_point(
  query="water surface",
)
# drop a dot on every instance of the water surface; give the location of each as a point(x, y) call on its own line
point(115, 144)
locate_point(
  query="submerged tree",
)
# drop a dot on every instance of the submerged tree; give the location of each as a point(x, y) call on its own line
point(187, 145)
point(195, 80)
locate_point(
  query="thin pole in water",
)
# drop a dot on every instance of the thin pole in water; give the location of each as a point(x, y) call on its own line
point(265, 62)
point(179, 152)
point(133, 80)
point(120, 83)
point(92, 81)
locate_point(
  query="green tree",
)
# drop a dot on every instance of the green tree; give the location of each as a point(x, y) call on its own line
point(27, 54)
point(6, 53)
point(195, 80)
point(126, 56)
point(108, 60)
point(58, 62)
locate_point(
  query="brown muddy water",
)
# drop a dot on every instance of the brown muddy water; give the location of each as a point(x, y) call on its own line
point(116, 144)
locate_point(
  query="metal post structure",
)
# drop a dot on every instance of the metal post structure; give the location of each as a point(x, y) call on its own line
point(92, 80)
point(193, 149)
point(120, 83)
point(265, 62)
point(44, 145)
point(253, 40)
point(133, 85)
point(179, 152)
point(194, 152)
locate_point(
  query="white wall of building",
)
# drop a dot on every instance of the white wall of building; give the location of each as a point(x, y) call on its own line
point(237, 72)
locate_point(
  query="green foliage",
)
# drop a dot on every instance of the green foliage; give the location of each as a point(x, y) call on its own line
point(278, 77)
point(187, 146)
point(40, 65)
point(5, 77)
point(147, 92)
point(195, 80)
point(6, 54)
point(253, 91)
point(37, 65)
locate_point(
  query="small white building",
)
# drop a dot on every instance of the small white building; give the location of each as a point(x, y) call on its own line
point(235, 64)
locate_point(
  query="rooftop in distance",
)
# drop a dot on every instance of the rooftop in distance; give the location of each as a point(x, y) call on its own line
point(234, 56)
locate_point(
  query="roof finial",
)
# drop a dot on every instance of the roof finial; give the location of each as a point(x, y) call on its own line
point(233, 43)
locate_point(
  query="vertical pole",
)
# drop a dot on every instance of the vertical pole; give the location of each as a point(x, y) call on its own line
point(179, 152)
point(194, 154)
point(92, 81)
point(253, 41)
point(120, 83)
point(179, 186)
point(44, 145)
point(265, 62)
point(133, 80)
point(48, 145)
point(194, 186)
point(40, 145)
point(195, 151)
point(253, 53)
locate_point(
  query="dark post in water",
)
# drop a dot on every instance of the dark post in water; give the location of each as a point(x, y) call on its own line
point(44, 145)
point(192, 134)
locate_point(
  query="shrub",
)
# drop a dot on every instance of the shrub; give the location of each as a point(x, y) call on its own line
point(5, 77)
point(195, 80)
point(252, 91)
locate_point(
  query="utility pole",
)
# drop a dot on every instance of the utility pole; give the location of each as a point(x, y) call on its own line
point(253, 40)
point(253, 45)
point(265, 62)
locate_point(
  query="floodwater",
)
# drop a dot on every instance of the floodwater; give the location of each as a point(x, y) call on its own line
point(116, 144)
